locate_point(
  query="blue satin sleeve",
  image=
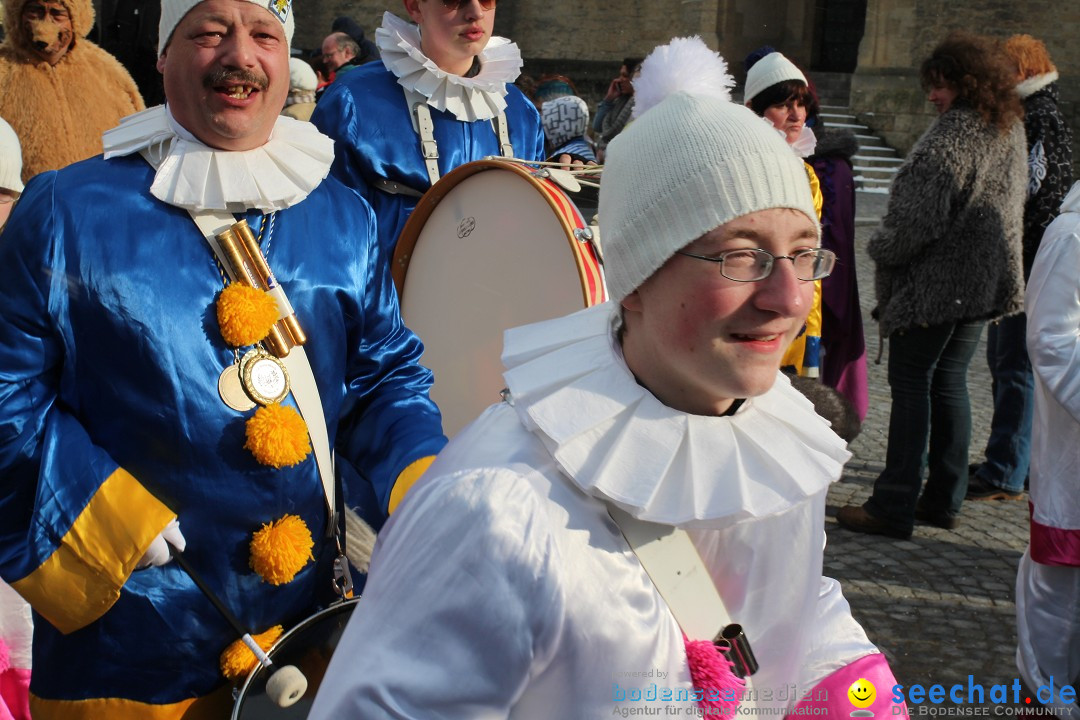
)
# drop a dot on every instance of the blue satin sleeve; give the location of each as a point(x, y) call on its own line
point(388, 419)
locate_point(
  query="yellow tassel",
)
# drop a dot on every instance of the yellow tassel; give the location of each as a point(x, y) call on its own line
point(281, 549)
point(237, 660)
point(277, 436)
point(245, 314)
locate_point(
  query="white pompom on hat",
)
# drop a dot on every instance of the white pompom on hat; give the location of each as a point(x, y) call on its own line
point(691, 161)
point(769, 70)
point(10, 159)
point(173, 11)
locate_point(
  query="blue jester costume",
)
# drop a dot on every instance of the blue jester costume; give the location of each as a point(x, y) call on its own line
point(111, 424)
point(378, 150)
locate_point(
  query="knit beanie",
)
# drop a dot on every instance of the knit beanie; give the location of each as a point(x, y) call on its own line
point(301, 75)
point(769, 70)
point(10, 159)
point(691, 161)
point(173, 11)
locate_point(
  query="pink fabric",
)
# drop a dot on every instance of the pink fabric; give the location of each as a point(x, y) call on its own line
point(15, 694)
point(832, 692)
point(711, 674)
point(1053, 546)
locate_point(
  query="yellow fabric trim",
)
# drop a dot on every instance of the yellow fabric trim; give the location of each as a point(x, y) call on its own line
point(214, 706)
point(794, 355)
point(81, 580)
point(407, 479)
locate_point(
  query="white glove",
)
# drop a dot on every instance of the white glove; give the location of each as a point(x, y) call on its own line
point(158, 553)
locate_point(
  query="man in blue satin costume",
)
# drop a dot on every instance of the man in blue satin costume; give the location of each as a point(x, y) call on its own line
point(113, 437)
point(448, 62)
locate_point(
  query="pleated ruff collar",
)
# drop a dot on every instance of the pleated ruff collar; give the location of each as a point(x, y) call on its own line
point(477, 98)
point(571, 387)
point(194, 176)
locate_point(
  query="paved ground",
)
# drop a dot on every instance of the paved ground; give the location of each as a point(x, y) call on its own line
point(940, 605)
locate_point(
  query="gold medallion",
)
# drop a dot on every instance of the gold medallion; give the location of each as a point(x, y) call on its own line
point(264, 377)
point(232, 391)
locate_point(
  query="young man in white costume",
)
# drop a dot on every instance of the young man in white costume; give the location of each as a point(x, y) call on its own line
point(502, 587)
point(1048, 580)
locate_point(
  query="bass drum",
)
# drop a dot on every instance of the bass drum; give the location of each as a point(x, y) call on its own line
point(308, 647)
point(492, 245)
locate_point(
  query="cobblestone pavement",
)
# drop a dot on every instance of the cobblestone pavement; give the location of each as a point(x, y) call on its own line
point(940, 605)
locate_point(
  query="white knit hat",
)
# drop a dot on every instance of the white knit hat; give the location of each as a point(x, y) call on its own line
point(173, 11)
point(691, 162)
point(10, 159)
point(768, 71)
point(301, 75)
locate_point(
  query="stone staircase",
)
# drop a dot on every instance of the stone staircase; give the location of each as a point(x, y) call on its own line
point(876, 163)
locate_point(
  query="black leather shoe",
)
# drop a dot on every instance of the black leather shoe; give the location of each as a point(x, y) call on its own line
point(855, 517)
point(978, 489)
point(937, 518)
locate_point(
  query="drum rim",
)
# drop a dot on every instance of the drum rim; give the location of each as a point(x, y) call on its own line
point(336, 607)
point(588, 264)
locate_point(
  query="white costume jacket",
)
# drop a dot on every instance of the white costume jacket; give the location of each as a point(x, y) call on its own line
point(501, 587)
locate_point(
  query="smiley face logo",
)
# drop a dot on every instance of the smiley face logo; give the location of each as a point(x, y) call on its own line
point(862, 693)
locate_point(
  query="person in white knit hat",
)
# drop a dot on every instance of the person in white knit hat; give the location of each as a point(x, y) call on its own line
point(504, 587)
point(126, 424)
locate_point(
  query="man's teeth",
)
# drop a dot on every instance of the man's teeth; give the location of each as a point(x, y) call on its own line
point(239, 92)
point(759, 338)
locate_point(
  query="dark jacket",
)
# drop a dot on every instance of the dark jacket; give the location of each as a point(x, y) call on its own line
point(949, 247)
point(1049, 143)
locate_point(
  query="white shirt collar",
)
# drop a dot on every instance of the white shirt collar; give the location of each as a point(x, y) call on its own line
point(481, 97)
point(614, 439)
point(194, 176)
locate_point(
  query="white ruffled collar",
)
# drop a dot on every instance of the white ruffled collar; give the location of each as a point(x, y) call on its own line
point(477, 98)
point(194, 176)
point(614, 439)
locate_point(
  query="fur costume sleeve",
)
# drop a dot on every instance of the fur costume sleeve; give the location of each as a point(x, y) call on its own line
point(73, 524)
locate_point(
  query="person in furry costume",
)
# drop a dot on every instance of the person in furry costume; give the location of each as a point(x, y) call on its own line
point(58, 90)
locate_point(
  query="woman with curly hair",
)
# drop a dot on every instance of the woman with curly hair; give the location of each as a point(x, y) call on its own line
point(948, 258)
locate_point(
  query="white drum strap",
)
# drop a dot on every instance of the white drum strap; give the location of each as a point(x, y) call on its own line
point(678, 572)
point(426, 129)
point(502, 129)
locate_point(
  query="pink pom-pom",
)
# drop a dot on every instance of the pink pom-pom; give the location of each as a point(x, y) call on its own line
point(713, 677)
point(5, 656)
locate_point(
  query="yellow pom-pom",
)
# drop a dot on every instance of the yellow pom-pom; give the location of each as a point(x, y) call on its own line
point(277, 436)
point(281, 549)
point(237, 660)
point(245, 314)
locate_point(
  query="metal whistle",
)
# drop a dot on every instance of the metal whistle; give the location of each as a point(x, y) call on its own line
point(735, 646)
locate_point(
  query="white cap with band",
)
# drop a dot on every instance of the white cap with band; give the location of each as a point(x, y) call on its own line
point(173, 11)
point(691, 162)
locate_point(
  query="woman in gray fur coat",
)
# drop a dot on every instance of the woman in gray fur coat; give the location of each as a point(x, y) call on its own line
point(948, 258)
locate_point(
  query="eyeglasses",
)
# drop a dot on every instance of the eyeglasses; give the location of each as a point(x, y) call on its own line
point(751, 265)
point(453, 5)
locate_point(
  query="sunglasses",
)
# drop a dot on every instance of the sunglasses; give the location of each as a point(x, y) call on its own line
point(454, 5)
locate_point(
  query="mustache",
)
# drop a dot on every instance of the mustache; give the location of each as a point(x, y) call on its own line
point(246, 77)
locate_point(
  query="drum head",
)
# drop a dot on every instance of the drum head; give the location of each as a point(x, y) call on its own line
point(308, 646)
point(496, 251)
